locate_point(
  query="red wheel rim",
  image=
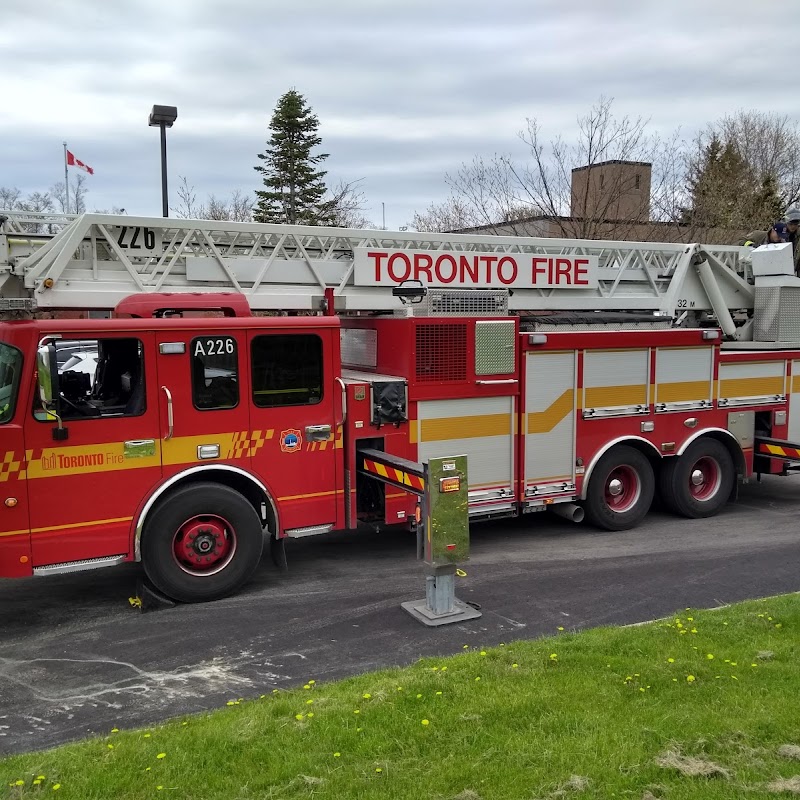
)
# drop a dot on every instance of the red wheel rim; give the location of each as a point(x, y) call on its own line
point(204, 544)
point(705, 478)
point(623, 488)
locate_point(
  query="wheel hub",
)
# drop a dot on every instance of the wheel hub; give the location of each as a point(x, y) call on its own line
point(697, 478)
point(623, 488)
point(203, 545)
point(615, 487)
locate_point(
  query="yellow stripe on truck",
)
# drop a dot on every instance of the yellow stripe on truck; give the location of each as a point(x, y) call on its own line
point(474, 427)
point(683, 391)
point(545, 421)
point(751, 387)
point(608, 396)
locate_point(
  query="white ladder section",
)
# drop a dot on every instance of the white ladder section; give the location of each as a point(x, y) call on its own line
point(95, 260)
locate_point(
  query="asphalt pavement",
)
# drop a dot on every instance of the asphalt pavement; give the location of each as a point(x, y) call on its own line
point(76, 659)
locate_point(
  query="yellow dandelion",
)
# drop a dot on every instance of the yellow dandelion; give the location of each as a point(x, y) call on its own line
point(694, 630)
point(186, 723)
point(674, 680)
point(36, 782)
point(419, 696)
point(641, 688)
point(310, 715)
point(111, 747)
point(309, 702)
point(298, 716)
point(399, 688)
point(435, 669)
point(690, 619)
point(311, 683)
point(147, 735)
point(724, 623)
point(734, 677)
point(115, 730)
point(159, 788)
point(337, 755)
point(514, 666)
point(161, 755)
point(56, 787)
point(483, 652)
point(367, 696)
point(553, 656)
point(358, 730)
point(561, 627)
point(18, 783)
point(478, 678)
point(670, 661)
point(709, 656)
point(231, 703)
point(40, 777)
point(734, 664)
point(274, 691)
point(148, 769)
point(438, 693)
point(679, 624)
point(690, 679)
point(378, 769)
point(444, 669)
point(754, 665)
point(357, 711)
point(307, 686)
point(465, 647)
point(425, 722)
point(683, 631)
point(778, 625)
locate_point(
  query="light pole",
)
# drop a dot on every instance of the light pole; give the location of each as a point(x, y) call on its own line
point(163, 117)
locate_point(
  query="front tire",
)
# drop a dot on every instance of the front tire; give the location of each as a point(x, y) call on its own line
point(621, 489)
point(202, 542)
point(698, 483)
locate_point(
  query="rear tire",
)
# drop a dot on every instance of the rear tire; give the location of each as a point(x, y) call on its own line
point(698, 483)
point(620, 490)
point(202, 542)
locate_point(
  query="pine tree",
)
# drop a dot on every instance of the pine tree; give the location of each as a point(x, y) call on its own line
point(725, 191)
point(294, 188)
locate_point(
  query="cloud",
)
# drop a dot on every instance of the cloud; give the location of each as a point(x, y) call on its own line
point(405, 92)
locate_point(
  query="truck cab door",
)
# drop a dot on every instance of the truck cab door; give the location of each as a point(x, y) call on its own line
point(293, 407)
point(15, 540)
point(203, 389)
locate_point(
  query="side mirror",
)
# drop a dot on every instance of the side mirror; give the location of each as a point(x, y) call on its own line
point(47, 380)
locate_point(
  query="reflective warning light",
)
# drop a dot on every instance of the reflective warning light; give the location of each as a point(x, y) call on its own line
point(11, 502)
point(451, 547)
point(449, 484)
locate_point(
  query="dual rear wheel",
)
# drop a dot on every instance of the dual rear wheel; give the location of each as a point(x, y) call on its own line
point(623, 484)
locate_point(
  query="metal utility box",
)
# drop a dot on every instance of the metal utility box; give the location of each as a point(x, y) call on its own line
point(447, 517)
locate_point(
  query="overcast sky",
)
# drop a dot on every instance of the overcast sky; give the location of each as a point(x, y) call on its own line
point(405, 91)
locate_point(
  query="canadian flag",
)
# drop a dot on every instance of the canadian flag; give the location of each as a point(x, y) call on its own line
point(74, 162)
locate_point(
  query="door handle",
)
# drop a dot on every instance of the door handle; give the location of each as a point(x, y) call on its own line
point(170, 417)
point(318, 433)
point(344, 400)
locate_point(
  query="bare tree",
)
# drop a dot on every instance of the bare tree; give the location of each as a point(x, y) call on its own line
point(347, 202)
point(77, 196)
point(565, 188)
point(238, 207)
point(10, 198)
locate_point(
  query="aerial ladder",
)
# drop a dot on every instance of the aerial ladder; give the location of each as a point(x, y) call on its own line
point(93, 261)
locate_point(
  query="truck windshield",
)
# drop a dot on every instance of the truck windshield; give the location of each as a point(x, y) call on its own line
point(10, 371)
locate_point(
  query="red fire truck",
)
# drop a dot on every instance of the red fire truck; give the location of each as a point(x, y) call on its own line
point(579, 377)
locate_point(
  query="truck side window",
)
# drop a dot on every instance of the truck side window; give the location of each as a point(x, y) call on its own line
point(287, 370)
point(98, 378)
point(10, 370)
point(215, 372)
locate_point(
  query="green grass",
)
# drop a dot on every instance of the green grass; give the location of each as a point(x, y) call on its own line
point(586, 715)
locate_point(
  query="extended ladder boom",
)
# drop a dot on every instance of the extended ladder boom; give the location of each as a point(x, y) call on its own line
point(95, 260)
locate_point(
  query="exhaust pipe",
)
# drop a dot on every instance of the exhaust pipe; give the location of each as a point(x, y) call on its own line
point(570, 511)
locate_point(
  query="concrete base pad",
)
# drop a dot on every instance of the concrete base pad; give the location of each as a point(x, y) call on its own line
point(420, 611)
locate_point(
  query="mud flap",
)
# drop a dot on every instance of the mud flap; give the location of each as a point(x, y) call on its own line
point(277, 551)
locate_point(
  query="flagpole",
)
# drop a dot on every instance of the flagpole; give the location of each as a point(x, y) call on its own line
point(66, 179)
